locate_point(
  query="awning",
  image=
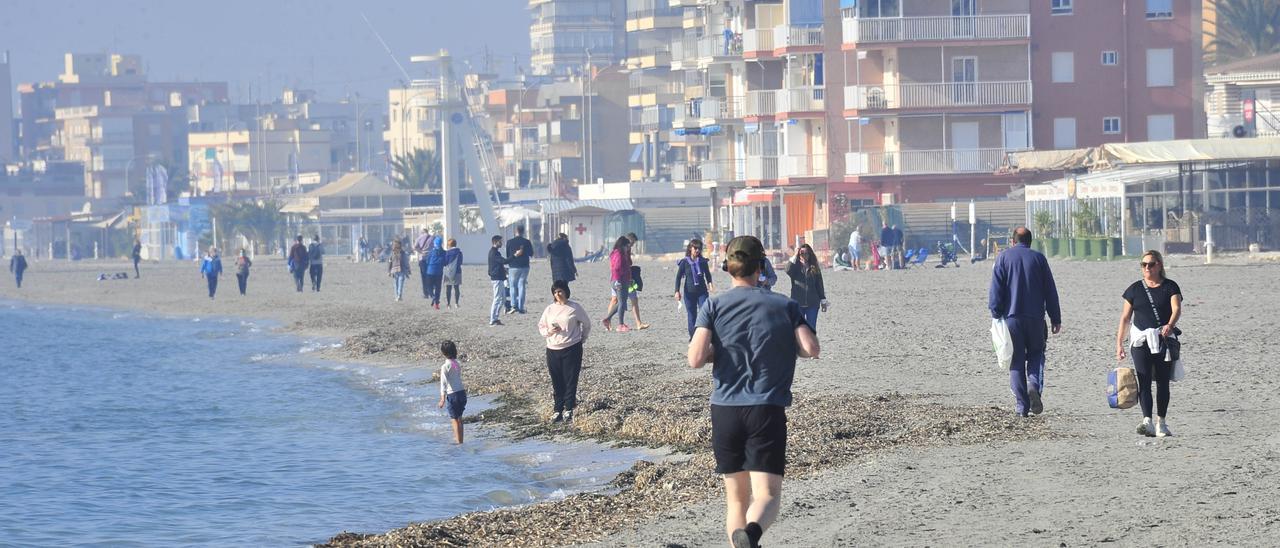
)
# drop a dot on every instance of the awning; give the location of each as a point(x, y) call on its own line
point(558, 206)
point(748, 196)
point(1111, 183)
point(508, 216)
point(1154, 152)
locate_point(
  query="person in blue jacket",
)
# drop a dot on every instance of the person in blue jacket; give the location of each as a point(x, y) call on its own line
point(1022, 291)
point(452, 275)
point(435, 270)
point(211, 269)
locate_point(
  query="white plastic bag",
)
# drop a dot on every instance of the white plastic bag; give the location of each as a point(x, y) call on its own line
point(1002, 343)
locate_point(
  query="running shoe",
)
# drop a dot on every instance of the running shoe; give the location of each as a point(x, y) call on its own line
point(558, 418)
point(1146, 429)
point(568, 416)
point(1162, 429)
point(741, 539)
point(622, 328)
point(1037, 406)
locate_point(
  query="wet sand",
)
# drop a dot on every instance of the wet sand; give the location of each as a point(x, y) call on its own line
point(902, 434)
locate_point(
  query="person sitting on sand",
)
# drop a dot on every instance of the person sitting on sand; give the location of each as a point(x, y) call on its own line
point(452, 393)
point(752, 337)
point(565, 326)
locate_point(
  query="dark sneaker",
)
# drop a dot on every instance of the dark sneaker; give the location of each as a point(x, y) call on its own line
point(558, 418)
point(1037, 406)
point(568, 416)
point(741, 539)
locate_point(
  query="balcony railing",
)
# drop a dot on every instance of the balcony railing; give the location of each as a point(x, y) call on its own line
point(809, 99)
point(961, 27)
point(784, 37)
point(685, 51)
point(758, 40)
point(717, 46)
point(919, 162)
point(797, 165)
point(761, 103)
point(651, 118)
point(708, 171)
point(938, 95)
point(762, 168)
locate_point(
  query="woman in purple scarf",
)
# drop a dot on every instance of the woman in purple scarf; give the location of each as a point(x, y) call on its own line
point(694, 272)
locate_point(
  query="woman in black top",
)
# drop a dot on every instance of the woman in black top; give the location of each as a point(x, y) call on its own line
point(695, 272)
point(806, 284)
point(1152, 308)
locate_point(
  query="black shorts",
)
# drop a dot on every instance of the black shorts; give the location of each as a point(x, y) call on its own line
point(749, 438)
point(455, 403)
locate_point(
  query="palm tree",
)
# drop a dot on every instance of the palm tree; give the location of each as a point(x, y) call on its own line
point(259, 222)
point(417, 171)
point(1243, 29)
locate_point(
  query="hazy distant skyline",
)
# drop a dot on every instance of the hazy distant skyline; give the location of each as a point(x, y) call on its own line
point(265, 44)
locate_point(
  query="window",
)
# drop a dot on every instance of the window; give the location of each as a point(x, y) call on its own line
point(1064, 133)
point(1111, 125)
point(1160, 127)
point(1064, 69)
point(1060, 7)
point(1110, 58)
point(1159, 68)
point(1159, 9)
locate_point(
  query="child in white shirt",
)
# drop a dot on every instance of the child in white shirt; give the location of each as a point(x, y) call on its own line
point(451, 390)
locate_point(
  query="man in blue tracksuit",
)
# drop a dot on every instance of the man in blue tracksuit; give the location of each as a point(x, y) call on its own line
point(1022, 291)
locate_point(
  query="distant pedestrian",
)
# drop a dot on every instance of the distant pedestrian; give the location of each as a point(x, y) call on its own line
point(807, 289)
point(18, 265)
point(519, 251)
point(421, 246)
point(1022, 291)
point(752, 337)
point(362, 248)
point(298, 259)
point(560, 254)
point(497, 277)
point(1152, 308)
point(136, 255)
point(886, 246)
point(566, 326)
point(242, 270)
point(435, 270)
point(398, 267)
point(695, 273)
point(899, 247)
point(452, 394)
point(855, 248)
point(211, 270)
point(620, 284)
point(452, 275)
point(315, 262)
point(637, 285)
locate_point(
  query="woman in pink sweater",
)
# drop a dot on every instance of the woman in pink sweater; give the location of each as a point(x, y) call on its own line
point(620, 281)
point(566, 326)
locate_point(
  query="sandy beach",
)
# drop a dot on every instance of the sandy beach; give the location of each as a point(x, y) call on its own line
point(902, 434)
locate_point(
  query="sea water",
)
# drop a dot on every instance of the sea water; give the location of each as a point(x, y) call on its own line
point(125, 430)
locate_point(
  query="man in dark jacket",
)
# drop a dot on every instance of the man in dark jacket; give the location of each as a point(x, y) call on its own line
point(561, 257)
point(886, 246)
point(498, 277)
point(1022, 291)
point(136, 256)
point(519, 251)
point(298, 261)
point(315, 262)
point(18, 265)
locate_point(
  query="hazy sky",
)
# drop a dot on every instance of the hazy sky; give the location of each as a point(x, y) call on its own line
point(267, 44)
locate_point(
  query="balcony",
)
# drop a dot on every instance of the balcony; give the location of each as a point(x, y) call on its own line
point(757, 43)
point(651, 118)
point(708, 110)
point(762, 168)
point(806, 99)
point(785, 38)
point(707, 171)
point(924, 162)
point(937, 95)
point(761, 103)
point(876, 30)
point(795, 166)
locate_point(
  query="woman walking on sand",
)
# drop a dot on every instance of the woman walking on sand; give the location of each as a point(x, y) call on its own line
point(806, 284)
point(566, 326)
point(620, 281)
point(242, 270)
point(452, 275)
point(1150, 314)
point(136, 255)
point(398, 267)
point(695, 272)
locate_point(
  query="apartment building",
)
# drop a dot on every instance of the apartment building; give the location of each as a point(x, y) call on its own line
point(566, 36)
point(411, 119)
point(1116, 71)
point(1244, 98)
point(652, 26)
point(280, 157)
point(103, 112)
point(8, 147)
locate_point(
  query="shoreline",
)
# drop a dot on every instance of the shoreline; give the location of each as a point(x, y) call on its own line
point(864, 402)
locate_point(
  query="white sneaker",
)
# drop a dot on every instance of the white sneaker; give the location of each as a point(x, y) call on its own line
point(1162, 428)
point(1146, 428)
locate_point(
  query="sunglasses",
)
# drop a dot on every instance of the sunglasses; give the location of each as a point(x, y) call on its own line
point(1149, 265)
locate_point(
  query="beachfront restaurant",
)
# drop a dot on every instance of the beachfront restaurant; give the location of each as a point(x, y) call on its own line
point(340, 212)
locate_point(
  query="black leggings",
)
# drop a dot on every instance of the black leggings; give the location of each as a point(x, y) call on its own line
point(1152, 367)
point(449, 291)
point(564, 366)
